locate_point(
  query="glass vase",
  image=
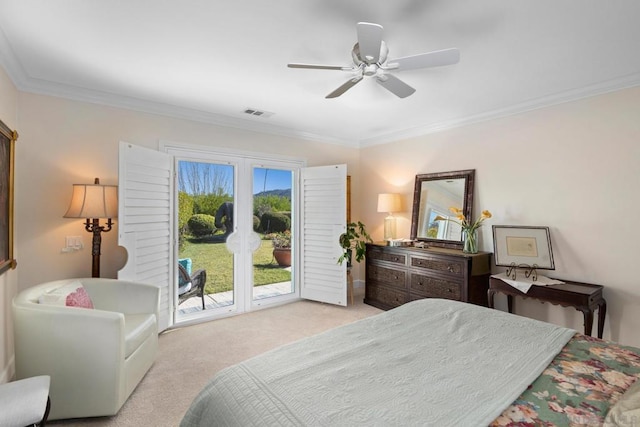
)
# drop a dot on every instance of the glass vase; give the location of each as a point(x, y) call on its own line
point(470, 239)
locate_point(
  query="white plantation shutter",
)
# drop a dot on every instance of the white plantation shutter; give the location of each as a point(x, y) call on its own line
point(324, 204)
point(145, 221)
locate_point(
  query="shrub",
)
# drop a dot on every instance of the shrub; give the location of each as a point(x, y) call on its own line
point(270, 203)
point(185, 210)
point(202, 225)
point(275, 222)
point(209, 203)
point(256, 223)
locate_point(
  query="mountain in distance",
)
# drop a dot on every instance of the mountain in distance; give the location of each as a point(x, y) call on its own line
point(280, 193)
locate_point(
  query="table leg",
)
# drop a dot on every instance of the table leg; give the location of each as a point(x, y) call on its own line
point(588, 321)
point(510, 303)
point(602, 311)
point(490, 295)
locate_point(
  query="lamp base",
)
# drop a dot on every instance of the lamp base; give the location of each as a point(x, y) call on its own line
point(93, 226)
point(389, 227)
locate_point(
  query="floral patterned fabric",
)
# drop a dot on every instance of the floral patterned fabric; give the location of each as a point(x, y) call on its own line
point(579, 386)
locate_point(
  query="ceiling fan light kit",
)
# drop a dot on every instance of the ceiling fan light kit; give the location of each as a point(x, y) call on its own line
point(369, 56)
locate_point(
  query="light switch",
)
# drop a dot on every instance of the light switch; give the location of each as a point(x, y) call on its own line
point(73, 243)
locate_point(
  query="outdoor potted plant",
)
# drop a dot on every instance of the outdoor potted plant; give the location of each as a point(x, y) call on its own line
point(282, 247)
point(354, 239)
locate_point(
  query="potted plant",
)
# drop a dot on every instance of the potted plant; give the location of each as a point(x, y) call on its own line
point(355, 238)
point(282, 247)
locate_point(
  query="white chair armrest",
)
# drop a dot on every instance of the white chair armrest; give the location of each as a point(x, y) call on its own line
point(122, 296)
point(94, 334)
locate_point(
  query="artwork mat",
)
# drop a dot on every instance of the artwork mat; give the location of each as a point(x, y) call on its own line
point(525, 246)
point(8, 138)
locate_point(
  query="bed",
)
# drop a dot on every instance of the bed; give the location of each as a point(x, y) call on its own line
point(429, 362)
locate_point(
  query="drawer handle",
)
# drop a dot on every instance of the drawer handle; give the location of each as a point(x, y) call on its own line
point(395, 258)
point(450, 290)
point(450, 268)
point(395, 277)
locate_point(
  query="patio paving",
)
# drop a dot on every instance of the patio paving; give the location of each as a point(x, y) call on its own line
point(223, 299)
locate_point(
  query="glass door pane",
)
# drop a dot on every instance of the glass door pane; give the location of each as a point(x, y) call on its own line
point(272, 210)
point(205, 220)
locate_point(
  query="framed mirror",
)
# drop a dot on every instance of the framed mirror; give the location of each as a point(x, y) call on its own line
point(433, 195)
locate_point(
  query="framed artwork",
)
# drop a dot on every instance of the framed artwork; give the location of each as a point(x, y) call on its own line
point(7, 153)
point(521, 246)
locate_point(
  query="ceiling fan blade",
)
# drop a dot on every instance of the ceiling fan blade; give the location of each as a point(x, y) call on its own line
point(369, 41)
point(395, 85)
point(425, 60)
point(319, 67)
point(345, 87)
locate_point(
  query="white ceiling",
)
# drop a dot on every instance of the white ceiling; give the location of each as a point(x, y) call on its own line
point(209, 60)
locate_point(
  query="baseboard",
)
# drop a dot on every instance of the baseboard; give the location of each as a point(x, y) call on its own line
point(9, 371)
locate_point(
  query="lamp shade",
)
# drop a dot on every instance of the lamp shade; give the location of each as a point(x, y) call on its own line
point(93, 201)
point(389, 202)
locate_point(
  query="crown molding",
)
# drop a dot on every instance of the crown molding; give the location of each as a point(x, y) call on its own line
point(607, 86)
point(10, 63)
point(42, 87)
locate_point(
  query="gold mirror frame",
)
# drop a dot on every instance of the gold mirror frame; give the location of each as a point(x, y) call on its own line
point(7, 162)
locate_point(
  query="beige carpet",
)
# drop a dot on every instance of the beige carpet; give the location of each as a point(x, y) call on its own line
point(190, 356)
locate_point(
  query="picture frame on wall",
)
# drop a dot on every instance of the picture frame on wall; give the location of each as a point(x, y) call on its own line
point(8, 138)
point(519, 246)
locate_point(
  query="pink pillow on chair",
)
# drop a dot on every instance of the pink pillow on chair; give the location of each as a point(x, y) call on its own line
point(70, 295)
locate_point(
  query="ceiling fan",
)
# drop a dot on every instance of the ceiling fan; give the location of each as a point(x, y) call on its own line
point(370, 59)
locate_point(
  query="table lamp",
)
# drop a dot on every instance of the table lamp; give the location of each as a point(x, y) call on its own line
point(389, 202)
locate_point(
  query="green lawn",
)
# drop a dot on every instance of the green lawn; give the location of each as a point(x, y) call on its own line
point(212, 255)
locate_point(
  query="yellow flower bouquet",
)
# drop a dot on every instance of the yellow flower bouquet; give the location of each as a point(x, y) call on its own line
point(469, 229)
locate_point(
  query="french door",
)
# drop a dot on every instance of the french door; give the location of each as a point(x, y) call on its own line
point(306, 206)
point(252, 203)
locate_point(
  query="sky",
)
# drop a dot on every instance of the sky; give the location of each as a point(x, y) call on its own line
point(206, 176)
point(276, 180)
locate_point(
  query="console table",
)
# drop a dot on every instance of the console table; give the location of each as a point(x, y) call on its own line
point(584, 297)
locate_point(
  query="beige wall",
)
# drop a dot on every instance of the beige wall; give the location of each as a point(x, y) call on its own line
point(8, 114)
point(573, 167)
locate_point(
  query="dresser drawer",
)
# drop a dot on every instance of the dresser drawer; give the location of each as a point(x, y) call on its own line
point(396, 275)
point(386, 255)
point(435, 287)
point(444, 265)
point(388, 276)
point(387, 297)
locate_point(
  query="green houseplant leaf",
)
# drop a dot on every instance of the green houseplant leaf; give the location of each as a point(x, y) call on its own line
point(354, 239)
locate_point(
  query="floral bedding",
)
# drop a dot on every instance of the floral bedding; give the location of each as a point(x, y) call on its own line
point(579, 386)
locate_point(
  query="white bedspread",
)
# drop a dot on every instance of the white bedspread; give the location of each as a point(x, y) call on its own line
point(430, 362)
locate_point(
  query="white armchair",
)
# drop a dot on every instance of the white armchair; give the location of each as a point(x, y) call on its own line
point(95, 357)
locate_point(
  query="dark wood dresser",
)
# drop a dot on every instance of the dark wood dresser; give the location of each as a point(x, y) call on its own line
point(397, 275)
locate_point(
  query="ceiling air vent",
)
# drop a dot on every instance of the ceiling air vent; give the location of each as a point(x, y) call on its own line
point(259, 113)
